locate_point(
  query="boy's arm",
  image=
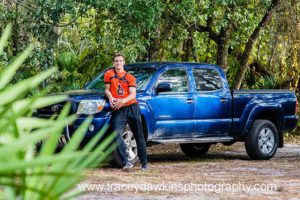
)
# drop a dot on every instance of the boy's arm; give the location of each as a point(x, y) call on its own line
point(109, 96)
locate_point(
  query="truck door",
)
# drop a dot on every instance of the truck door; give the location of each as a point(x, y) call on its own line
point(173, 110)
point(213, 103)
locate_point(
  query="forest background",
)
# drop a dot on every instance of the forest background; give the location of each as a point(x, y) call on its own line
point(256, 42)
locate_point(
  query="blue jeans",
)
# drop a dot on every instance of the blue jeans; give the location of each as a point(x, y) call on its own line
point(132, 115)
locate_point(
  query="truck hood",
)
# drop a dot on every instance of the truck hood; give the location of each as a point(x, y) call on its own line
point(75, 96)
point(78, 95)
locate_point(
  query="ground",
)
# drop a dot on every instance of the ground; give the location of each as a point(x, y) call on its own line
point(226, 172)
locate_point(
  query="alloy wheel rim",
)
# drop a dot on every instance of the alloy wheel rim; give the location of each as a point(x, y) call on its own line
point(266, 140)
point(130, 143)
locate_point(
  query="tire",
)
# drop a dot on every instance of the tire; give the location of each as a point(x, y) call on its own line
point(131, 148)
point(262, 141)
point(195, 150)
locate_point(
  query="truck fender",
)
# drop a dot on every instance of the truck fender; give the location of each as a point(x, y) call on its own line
point(148, 119)
point(258, 110)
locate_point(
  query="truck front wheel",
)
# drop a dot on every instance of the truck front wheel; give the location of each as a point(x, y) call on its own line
point(195, 150)
point(131, 149)
point(262, 141)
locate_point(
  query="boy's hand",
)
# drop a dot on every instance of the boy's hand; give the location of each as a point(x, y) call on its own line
point(112, 102)
point(118, 104)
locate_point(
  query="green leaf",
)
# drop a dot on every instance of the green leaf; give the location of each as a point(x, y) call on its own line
point(4, 37)
point(48, 148)
point(107, 142)
point(39, 102)
point(32, 123)
point(50, 145)
point(10, 192)
point(77, 136)
point(34, 137)
point(25, 173)
point(70, 147)
point(92, 157)
point(93, 142)
point(40, 161)
point(22, 143)
point(71, 195)
point(13, 92)
point(7, 73)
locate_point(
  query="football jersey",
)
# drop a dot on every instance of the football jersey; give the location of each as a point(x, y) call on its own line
point(119, 84)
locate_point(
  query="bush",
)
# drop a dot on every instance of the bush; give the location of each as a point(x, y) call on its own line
point(24, 174)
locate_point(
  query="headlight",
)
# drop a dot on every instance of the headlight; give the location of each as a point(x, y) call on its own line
point(90, 107)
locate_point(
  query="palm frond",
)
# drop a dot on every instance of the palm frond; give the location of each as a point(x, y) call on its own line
point(24, 173)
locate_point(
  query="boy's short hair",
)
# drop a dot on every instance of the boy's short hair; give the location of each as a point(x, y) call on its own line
point(118, 55)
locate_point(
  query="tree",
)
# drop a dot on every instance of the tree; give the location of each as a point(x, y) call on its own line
point(81, 36)
point(251, 41)
point(233, 26)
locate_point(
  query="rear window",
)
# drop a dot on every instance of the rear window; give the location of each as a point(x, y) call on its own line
point(207, 79)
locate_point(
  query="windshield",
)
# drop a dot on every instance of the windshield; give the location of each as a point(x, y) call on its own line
point(142, 75)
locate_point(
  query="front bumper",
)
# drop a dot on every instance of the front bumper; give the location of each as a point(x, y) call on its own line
point(94, 128)
point(98, 122)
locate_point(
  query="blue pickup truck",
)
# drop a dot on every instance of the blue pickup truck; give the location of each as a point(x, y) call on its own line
point(192, 105)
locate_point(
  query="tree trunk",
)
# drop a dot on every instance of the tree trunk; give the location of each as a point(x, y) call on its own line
point(188, 47)
point(223, 45)
point(250, 43)
point(185, 50)
point(15, 31)
point(207, 50)
point(274, 47)
point(193, 50)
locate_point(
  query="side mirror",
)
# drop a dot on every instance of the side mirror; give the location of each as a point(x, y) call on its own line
point(164, 87)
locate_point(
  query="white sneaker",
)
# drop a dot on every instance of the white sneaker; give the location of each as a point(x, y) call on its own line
point(128, 166)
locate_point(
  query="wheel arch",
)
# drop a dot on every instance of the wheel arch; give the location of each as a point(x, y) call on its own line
point(147, 120)
point(273, 114)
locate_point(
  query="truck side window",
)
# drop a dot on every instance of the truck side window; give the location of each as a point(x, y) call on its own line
point(178, 78)
point(207, 79)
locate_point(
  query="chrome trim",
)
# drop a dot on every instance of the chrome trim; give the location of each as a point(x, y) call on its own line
point(164, 116)
point(263, 91)
point(195, 140)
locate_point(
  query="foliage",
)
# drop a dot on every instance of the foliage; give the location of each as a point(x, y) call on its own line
point(25, 174)
point(65, 61)
point(81, 36)
point(268, 82)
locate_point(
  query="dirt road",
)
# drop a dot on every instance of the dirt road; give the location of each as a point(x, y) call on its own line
point(224, 173)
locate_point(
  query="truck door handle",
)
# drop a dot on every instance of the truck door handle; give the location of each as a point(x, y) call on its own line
point(223, 100)
point(190, 101)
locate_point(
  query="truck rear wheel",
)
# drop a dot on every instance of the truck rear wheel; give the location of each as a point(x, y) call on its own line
point(262, 141)
point(195, 150)
point(131, 149)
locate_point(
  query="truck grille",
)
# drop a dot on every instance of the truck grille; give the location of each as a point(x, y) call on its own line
point(54, 109)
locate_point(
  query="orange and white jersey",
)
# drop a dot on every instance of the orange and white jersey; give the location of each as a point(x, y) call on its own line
point(119, 84)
